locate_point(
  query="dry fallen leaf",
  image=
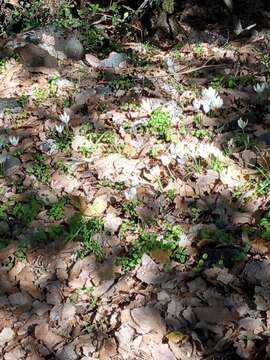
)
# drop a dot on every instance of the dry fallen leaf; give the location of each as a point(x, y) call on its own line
point(259, 246)
point(177, 337)
point(98, 207)
point(160, 256)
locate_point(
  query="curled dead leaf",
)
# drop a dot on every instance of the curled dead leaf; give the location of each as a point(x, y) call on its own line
point(176, 337)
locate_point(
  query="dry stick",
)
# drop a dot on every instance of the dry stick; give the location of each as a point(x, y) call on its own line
point(187, 71)
point(200, 68)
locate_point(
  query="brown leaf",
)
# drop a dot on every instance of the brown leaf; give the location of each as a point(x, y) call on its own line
point(108, 349)
point(47, 336)
point(160, 256)
point(259, 246)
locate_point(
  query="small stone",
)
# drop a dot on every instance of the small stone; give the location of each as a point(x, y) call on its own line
point(6, 335)
point(19, 299)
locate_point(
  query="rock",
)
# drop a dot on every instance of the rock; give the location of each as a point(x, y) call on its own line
point(104, 90)
point(6, 335)
point(42, 47)
point(49, 147)
point(82, 97)
point(19, 299)
point(46, 195)
point(92, 60)
point(64, 83)
point(115, 60)
point(74, 48)
point(10, 104)
point(12, 166)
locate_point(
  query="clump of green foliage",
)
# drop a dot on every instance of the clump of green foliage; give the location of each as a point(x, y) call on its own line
point(124, 82)
point(27, 212)
point(63, 140)
point(265, 225)
point(57, 210)
point(148, 242)
point(159, 124)
point(263, 185)
point(84, 229)
point(130, 207)
point(40, 169)
point(215, 234)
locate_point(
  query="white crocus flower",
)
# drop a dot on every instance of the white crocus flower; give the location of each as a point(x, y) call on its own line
point(259, 88)
point(155, 171)
point(65, 118)
point(131, 194)
point(206, 150)
point(210, 100)
point(206, 106)
point(242, 124)
point(197, 104)
point(217, 103)
point(14, 140)
point(59, 128)
point(209, 93)
point(134, 180)
point(165, 159)
point(231, 143)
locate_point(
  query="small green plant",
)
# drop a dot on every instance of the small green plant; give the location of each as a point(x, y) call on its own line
point(130, 207)
point(265, 225)
point(27, 212)
point(3, 142)
point(23, 100)
point(66, 18)
point(92, 297)
point(171, 194)
point(20, 118)
point(195, 214)
point(244, 140)
point(57, 210)
point(148, 242)
point(92, 39)
point(172, 233)
point(124, 82)
point(263, 185)
point(20, 253)
point(148, 45)
point(202, 133)
point(40, 169)
point(84, 229)
point(199, 50)
point(159, 124)
point(87, 150)
point(64, 140)
point(126, 227)
point(62, 166)
point(180, 255)
point(217, 164)
point(40, 94)
point(3, 212)
point(215, 234)
point(239, 191)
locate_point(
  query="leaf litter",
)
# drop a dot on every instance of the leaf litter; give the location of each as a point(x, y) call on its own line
point(161, 251)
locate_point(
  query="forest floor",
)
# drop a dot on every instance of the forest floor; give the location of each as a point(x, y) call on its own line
point(134, 218)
